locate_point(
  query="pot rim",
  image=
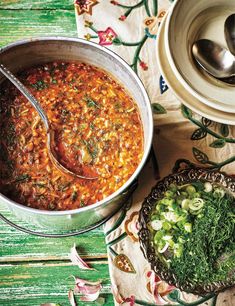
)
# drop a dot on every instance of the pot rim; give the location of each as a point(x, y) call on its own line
point(149, 140)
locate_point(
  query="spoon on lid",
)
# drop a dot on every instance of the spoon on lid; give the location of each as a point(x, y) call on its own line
point(216, 60)
point(229, 32)
point(43, 116)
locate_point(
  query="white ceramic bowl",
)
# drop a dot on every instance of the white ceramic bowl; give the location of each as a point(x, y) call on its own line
point(188, 21)
point(180, 92)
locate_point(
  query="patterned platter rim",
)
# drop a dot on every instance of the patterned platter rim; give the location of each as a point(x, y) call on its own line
point(182, 177)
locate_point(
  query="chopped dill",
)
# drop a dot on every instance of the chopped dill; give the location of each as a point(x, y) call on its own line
point(74, 196)
point(22, 177)
point(39, 85)
point(209, 252)
point(90, 102)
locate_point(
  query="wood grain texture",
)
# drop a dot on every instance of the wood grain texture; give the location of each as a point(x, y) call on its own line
point(37, 283)
point(36, 4)
point(18, 24)
point(24, 247)
point(35, 270)
point(17, 246)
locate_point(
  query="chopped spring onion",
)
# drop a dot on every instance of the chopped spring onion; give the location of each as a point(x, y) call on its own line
point(185, 204)
point(208, 187)
point(156, 225)
point(164, 248)
point(219, 193)
point(196, 204)
point(190, 231)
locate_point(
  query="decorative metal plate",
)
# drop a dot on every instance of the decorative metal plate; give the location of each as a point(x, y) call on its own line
point(183, 177)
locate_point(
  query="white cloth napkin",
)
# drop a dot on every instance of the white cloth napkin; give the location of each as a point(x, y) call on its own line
point(178, 135)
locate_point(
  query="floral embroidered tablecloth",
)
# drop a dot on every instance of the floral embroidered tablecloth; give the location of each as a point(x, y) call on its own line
point(130, 28)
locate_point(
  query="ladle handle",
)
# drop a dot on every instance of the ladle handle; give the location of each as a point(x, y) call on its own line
point(26, 93)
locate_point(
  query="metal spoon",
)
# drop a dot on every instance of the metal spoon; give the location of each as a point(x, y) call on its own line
point(42, 114)
point(229, 32)
point(216, 60)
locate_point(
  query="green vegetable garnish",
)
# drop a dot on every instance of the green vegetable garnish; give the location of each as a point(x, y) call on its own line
point(22, 177)
point(193, 230)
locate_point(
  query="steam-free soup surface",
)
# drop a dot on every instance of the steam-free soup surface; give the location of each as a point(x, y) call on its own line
point(98, 132)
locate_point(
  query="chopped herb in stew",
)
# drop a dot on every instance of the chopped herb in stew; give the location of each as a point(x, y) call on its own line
point(97, 130)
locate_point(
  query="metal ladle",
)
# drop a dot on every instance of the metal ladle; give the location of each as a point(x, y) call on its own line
point(42, 114)
point(216, 60)
point(229, 32)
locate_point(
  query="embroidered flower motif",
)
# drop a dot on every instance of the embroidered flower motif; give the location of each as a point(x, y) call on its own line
point(161, 14)
point(122, 17)
point(151, 25)
point(131, 300)
point(131, 224)
point(163, 85)
point(87, 36)
point(158, 288)
point(150, 22)
point(114, 2)
point(123, 263)
point(154, 36)
point(84, 6)
point(143, 65)
point(106, 37)
point(88, 24)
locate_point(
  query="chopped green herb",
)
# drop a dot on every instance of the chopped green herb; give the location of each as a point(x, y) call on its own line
point(52, 206)
point(22, 177)
point(195, 224)
point(65, 112)
point(74, 196)
point(213, 235)
point(90, 102)
point(92, 126)
point(117, 105)
point(83, 126)
point(91, 147)
point(64, 186)
point(39, 85)
point(40, 185)
point(82, 203)
point(40, 196)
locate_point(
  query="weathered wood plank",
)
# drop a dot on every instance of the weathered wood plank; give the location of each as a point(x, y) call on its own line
point(23, 281)
point(38, 4)
point(61, 300)
point(34, 284)
point(23, 247)
point(15, 25)
point(18, 24)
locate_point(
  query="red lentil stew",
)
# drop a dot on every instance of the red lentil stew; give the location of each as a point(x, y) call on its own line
point(98, 132)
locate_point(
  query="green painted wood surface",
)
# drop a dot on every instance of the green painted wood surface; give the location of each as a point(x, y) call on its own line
point(36, 4)
point(35, 270)
point(37, 283)
point(18, 24)
point(46, 248)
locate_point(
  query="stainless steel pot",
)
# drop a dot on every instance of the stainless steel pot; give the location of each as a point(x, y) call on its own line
point(24, 54)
